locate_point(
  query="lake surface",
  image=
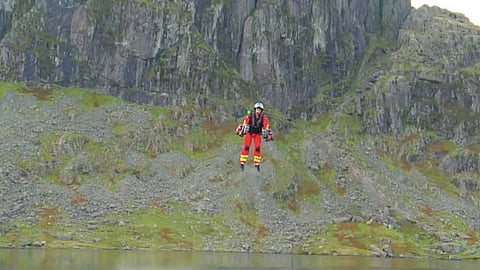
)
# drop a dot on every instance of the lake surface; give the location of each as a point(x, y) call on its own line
point(47, 259)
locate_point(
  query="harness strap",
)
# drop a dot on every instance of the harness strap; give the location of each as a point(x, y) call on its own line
point(259, 122)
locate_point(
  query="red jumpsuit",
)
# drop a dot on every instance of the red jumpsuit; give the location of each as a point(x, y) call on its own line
point(255, 123)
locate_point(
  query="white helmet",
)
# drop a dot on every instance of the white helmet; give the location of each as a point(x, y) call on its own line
point(258, 105)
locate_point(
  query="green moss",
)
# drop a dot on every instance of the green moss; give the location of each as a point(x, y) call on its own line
point(447, 223)
point(245, 211)
point(148, 3)
point(427, 147)
point(56, 160)
point(383, 80)
point(24, 232)
point(169, 227)
point(350, 128)
point(90, 100)
point(327, 176)
point(158, 113)
point(200, 43)
point(49, 161)
point(438, 178)
point(357, 238)
point(23, 7)
point(320, 125)
point(292, 185)
point(473, 70)
point(5, 86)
point(201, 141)
point(391, 164)
point(175, 229)
point(119, 130)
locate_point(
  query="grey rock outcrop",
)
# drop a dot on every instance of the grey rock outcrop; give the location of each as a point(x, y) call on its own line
point(158, 52)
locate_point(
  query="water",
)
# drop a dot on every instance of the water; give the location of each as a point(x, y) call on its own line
point(48, 259)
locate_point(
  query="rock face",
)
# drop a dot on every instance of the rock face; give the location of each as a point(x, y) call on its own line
point(388, 96)
point(285, 52)
point(432, 80)
point(430, 84)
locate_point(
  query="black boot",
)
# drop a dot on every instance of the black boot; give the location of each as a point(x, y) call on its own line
point(257, 167)
point(242, 166)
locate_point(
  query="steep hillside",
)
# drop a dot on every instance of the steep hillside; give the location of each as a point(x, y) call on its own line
point(119, 133)
point(81, 169)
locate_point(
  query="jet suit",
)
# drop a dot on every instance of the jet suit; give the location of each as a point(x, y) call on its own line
point(254, 126)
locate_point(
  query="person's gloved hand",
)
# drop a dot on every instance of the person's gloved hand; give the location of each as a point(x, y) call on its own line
point(239, 130)
point(269, 136)
point(264, 133)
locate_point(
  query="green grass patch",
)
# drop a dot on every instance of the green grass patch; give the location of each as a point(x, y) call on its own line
point(291, 186)
point(208, 136)
point(473, 70)
point(447, 224)
point(51, 157)
point(200, 142)
point(357, 238)
point(318, 126)
point(88, 98)
point(327, 176)
point(159, 114)
point(350, 129)
point(349, 125)
point(4, 86)
point(245, 211)
point(427, 168)
point(120, 130)
point(160, 227)
point(438, 177)
point(73, 159)
point(92, 100)
point(175, 228)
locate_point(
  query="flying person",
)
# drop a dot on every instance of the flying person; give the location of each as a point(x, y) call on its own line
point(253, 127)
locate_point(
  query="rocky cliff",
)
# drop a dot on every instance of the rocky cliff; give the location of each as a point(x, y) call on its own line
point(429, 85)
point(375, 108)
point(284, 52)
